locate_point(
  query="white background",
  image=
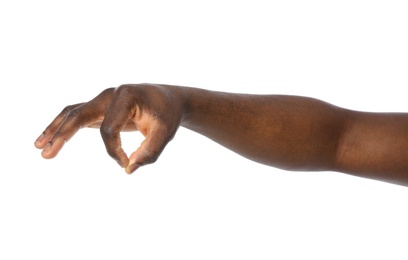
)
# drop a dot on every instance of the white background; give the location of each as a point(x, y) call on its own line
point(200, 200)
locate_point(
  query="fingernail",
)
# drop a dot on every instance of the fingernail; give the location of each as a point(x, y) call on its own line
point(131, 168)
point(47, 148)
point(40, 138)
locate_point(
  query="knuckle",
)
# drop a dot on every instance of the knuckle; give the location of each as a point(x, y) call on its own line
point(74, 114)
point(67, 110)
point(150, 156)
point(107, 91)
point(106, 131)
point(124, 89)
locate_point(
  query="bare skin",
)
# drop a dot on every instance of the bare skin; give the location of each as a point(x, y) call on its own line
point(287, 132)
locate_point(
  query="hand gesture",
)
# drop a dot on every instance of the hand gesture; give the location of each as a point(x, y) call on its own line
point(154, 110)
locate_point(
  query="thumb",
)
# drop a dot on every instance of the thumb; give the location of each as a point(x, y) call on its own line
point(148, 152)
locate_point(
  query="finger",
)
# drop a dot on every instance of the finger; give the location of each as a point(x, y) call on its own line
point(115, 120)
point(74, 120)
point(150, 149)
point(45, 136)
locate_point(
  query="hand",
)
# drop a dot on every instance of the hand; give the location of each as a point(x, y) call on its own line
point(154, 110)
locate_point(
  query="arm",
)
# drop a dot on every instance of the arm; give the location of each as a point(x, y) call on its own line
point(288, 132)
point(300, 133)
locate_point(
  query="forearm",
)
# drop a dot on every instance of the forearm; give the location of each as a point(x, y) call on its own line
point(289, 132)
point(375, 146)
point(300, 133)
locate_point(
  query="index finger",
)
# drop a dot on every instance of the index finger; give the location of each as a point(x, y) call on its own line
point(116, 119)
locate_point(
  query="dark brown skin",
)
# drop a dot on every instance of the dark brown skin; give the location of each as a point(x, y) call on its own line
point(287, 132)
